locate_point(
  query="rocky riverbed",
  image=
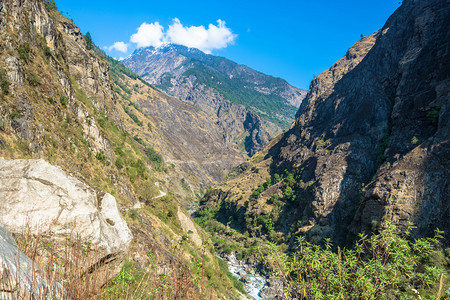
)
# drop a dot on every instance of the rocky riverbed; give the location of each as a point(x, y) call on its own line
point(257, 283)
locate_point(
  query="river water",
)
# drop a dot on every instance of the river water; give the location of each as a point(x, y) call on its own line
point(254, 283)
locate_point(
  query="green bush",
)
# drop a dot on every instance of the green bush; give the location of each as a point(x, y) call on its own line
point(47, 51)
point(63, 99)
point(154, 156)
point(4, 83)
point(320, 144)
point(24, 51)
point(101, 157)
point(388, 263)
point(433, 115)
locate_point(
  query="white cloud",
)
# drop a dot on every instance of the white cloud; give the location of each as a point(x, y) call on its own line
point(148, 35)
point(153, 34)
point(215, 37)
point(119, 46)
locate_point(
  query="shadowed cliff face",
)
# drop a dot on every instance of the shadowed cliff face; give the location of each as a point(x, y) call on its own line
point(372, 135)
point(380, 126)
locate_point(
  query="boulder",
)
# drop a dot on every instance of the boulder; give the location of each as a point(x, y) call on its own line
point(273, 289)
point(20, 278)
point(41, 199)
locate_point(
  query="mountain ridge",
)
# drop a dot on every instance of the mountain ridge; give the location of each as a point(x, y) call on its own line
point(229, 92)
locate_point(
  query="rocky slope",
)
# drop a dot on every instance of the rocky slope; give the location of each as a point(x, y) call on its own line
point(250, 107)
point(59, 103)
point(190, 142)
point(370, 144)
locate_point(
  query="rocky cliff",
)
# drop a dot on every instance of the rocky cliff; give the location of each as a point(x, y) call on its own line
point(249, 107)
point(371, 141)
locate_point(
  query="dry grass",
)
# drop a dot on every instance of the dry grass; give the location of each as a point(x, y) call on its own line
point(72, 269)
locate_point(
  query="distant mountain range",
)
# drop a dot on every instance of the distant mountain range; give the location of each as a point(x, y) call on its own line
point(251, 107)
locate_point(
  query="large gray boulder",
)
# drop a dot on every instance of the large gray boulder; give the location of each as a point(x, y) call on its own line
point(42, 199)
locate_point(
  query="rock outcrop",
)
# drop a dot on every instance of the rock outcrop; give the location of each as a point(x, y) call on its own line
point(372, 139)
point(41, 199)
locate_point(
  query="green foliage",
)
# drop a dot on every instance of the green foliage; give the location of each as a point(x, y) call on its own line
point(139, 140)
point(47, 51)
point(15, 114)
point(185, 185)
point(51, 4)
point(101, 157)
point(414, 140)
point(33, 79)
point(241, 91)
point(166, 81)
point(320, 144)
point(276, 178)
point(154, 157)
point(4, 83)
point(88, 41)
point(24, 51)
point(383, 145)
point(383, 264)
point(63, 100)
point(119, 163)
point(289, 194)
point(433, 115)
point(261, 189)
point(202, 216)
point(132, 115)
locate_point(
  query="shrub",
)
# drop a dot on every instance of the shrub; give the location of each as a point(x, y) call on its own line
point(433, 115)
point(387, 263)
point(320, 144)
point(101, 157)
point(4, 83)
point(119, 163)
point(154, 156)
point(47, 51)
point(33, 79)
point(63, 99)
point(185, 185)
point(51, 4)
point(24, 51)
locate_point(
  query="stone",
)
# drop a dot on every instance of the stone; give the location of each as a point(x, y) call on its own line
point(273, 289)
point(20, 277)
point(246, 279)
point(36, 196)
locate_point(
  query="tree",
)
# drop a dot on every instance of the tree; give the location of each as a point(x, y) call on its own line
point(89, 42)
point(51, 4)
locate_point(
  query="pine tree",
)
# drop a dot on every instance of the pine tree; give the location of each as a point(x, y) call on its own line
point(89, 42)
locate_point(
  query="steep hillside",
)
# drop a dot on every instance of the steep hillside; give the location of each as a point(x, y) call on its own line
point(370, 144)
point(58, 103)
point(190, 143)
point(249, 106)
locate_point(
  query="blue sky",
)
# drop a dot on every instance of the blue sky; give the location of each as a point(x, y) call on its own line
point(294, 40)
